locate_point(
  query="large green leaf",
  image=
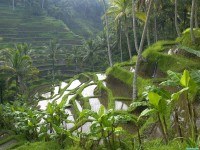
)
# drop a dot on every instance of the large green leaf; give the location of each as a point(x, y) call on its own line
point(195, 74)
point(50, 108)
point(146, 112)
point(154, 99)
point(101, 110)
point(190, 50)
point(141, 15)
point(173, 79)
point(185, 79)
point(175, 96)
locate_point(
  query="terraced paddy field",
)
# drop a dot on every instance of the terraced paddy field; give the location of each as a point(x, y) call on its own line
point(78, 94)
point(19, 26)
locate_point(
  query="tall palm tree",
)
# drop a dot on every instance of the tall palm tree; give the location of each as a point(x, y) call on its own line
point(120, 9)
point(140, 51)
point(107, 34)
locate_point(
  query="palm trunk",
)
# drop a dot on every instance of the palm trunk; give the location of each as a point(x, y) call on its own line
point(155, 27)
point(192, 21)
point(128, 44)
point(107, 35)
point(13, 4)
point(53, 67)
point(43, 4)
point(1, 93)
point(120, 44)
point(140, 51)
point(148, 37)
point(176, 21)
point(196, 16)
point(134, 27)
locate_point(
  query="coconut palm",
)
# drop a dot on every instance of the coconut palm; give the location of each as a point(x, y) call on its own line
point(120, 9)
point(18, 66)
point(53, 48)
point(107, 34)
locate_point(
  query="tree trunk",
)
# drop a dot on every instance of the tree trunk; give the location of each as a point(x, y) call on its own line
point(53, 67)
point(140, 51)
point(1, 93)
point(192, 21)
point(107, 35)
point(155, 27)
point(196, 15)
point(128, 44)
point(120, 43)
point(148, 37)
point(43, 4)
point(176, 21)
point(134, 27)
point(13, 4)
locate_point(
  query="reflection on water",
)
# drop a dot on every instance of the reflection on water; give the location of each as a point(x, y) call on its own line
point(56, 90)
point(85, 128)
point(70, 118)
point(63, 84)
point(101, 76)
point(46, 95)
point(119, 105)
point(74, 85)
point(60, 99)
point(95, 104)
point(79, 106)
point(89, 91)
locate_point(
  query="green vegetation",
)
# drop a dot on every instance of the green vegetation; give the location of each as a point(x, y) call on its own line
point(54, 94)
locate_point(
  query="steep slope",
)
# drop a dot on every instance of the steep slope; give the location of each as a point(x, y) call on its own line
point(19, 26)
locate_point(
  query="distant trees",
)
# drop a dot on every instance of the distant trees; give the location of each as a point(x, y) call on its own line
point(107, 34)
point(53, 48)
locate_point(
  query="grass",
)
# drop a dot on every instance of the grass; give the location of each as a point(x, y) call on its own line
point(40, 146)
point(158, 144)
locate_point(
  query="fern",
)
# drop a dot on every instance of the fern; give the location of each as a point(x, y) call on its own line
point(189, 50)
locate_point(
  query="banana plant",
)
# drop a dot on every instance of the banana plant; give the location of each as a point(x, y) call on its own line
point(104, 127)
point(189, 85)
point(158, 106)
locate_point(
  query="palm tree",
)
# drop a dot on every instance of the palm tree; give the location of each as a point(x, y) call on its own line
point(19, 67)
point(53, 48)
point(107, 34)
point(140, 51)
point(120, 10)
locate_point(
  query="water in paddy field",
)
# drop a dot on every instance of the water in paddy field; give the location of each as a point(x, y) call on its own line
point(74, 85)
point(63, 85)
point(120, 105)
point(89, 91)
point(95, 104)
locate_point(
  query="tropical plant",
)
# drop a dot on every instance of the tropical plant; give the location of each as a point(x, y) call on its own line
point(18, 66)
